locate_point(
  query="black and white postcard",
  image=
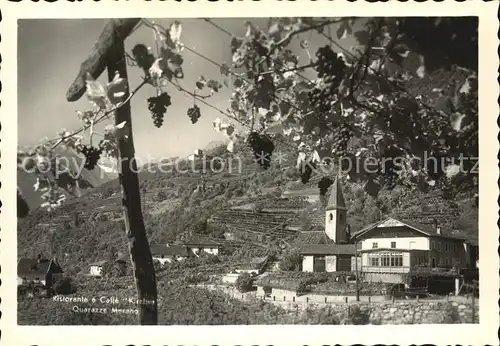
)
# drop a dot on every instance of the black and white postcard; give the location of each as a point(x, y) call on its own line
point(264, 172)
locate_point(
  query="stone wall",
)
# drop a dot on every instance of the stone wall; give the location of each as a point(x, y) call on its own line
point(398, 312)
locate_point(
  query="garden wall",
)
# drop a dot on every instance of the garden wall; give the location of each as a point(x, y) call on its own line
point(398, 312)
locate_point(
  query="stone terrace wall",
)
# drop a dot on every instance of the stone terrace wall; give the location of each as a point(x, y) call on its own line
point(398, 312)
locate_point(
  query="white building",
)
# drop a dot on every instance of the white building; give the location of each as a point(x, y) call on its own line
point(391, 247)
point(96, 268)
point(331, 252)
point(166, 253)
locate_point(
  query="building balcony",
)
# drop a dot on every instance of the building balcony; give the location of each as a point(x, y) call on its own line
point(388, 270)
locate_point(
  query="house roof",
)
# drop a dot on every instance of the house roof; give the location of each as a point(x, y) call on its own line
point(330, 249)
point(98, 263)
point(168, 250)
point(313, 237)
point(200, 241)
point(424, 229)
point(123, 258)
point(336, 199)
point(33, 266)
point(255, 263)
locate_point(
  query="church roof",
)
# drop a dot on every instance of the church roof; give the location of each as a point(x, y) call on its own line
point(336, 199)
point(329, 249)
point(314, 238)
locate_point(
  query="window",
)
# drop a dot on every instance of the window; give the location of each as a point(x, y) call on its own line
point(385, 259)
point(396, 260)
point(438, 246)
point(454, 247)
point(393, 244)
point(432, 245)
point(331, 216)
point(374, 245)
point(374, 261)
point(433, 261)
point(447, 262)
point(446, 247)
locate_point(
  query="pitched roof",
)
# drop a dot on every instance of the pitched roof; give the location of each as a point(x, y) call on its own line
point(424, 229)
point(98, 263)
point(255, 263)
point(123, 258)
point(336, 199)
point(200, 241)
point(313, 238)
point(330, 249)
point(32, 266)
point(168, 250)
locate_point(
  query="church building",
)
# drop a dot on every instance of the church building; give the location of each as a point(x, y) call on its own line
point(330, 250)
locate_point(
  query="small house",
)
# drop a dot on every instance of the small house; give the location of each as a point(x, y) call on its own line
point(166, 253)
point(256, 266)
point(327, 258)
point(96, 268)
point(42, 271)
point(197, 245)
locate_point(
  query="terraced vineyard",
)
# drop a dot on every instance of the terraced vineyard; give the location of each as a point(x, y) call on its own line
point(250, 225)
point(291, 203)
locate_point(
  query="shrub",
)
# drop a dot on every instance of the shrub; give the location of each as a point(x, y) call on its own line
point(357, 316)
point(161, 196)
point(64, 286)
point(291, 261)
point(244, 283)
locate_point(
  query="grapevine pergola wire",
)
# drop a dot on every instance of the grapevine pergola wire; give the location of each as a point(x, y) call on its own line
point(231, 72)
point(347, 52)
point(153, 25)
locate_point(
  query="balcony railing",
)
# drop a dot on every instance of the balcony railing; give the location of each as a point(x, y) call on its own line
point(378, 269)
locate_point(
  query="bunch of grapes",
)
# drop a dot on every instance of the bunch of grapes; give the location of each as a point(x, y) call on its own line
point(262, 147)
point(329, 66)
point(324, 184)
point(340, 140)
point(157, 106)
point(92, 155)
point(194, 114)
point(306, 171)
point(320, 99)
point(265, 93)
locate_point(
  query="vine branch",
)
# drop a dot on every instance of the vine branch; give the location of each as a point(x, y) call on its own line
point(101, 118)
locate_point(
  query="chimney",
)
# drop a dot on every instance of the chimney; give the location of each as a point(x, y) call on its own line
point(437, 227)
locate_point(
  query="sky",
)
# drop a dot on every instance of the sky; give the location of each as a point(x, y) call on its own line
point(49, 55)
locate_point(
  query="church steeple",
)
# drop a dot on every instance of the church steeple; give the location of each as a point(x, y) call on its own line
point(336, 200)
point(336, 214)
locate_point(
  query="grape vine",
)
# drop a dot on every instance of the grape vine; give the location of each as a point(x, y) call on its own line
point(194, 114)
point(157, 106)
point(92, 156)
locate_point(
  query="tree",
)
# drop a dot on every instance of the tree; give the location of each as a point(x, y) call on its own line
point(64, 286)
point(291, 261)
point(161, 196)
point(244, 282)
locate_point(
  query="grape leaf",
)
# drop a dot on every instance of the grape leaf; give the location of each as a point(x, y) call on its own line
point(362, 37)
point(225, 69)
